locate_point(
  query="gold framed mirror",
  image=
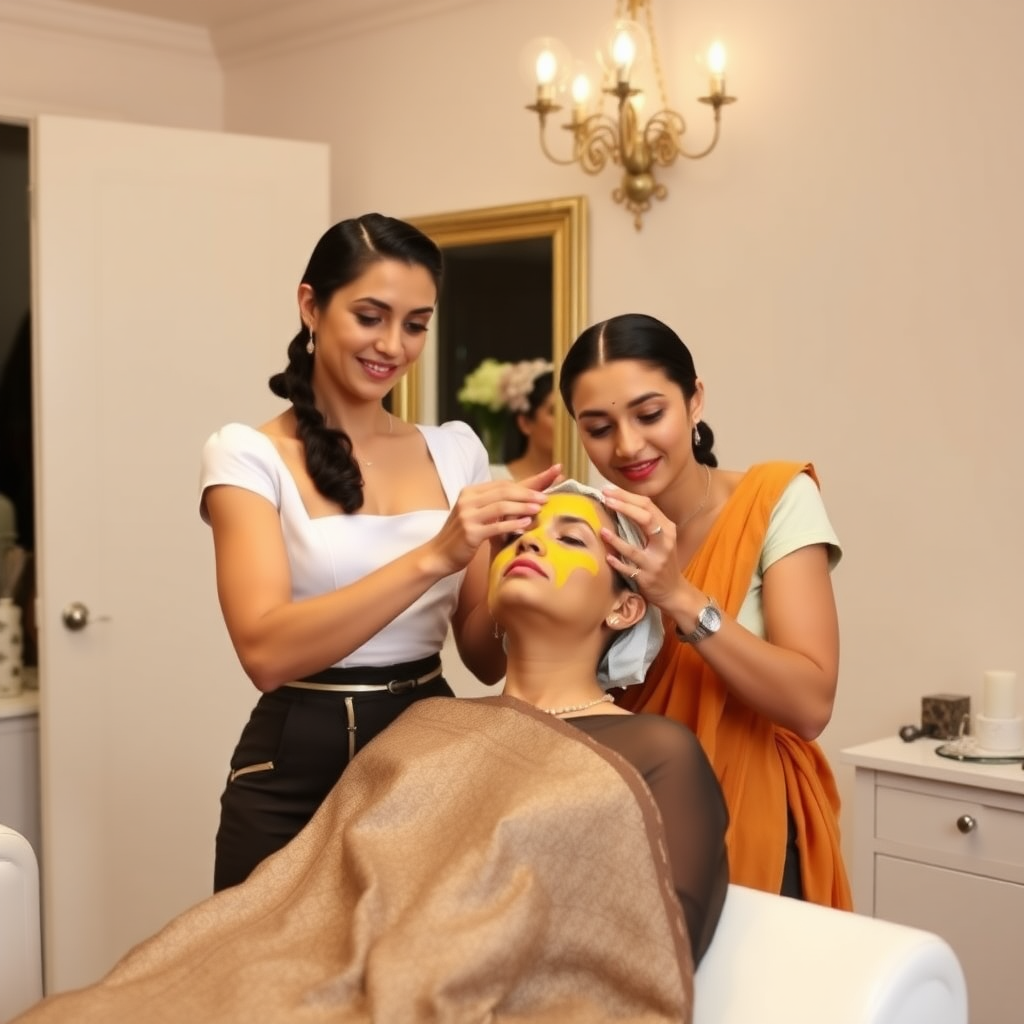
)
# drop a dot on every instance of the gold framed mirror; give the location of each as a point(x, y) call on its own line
point(560, 225)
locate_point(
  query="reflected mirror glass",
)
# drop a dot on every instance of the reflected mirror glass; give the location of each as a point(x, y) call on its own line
point(515, 288)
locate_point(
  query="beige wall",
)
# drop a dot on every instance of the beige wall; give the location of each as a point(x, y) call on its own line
point(60, 58)
point(846, 268)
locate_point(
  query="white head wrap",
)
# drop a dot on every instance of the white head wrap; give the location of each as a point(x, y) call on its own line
point(630, 655)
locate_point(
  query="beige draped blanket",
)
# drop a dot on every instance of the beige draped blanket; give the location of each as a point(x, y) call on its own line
point(478, 861)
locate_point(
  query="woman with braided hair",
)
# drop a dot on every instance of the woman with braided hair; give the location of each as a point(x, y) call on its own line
point(346, 540)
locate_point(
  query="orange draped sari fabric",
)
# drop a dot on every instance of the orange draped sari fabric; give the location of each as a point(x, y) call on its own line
point(762, 766)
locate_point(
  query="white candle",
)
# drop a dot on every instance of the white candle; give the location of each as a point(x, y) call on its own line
point(580, 95)
point(998, 696)
point(623, 55)
point(546, 68)
point(716, 65)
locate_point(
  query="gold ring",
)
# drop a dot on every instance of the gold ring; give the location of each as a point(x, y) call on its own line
point(636, 572)
point(656, 530)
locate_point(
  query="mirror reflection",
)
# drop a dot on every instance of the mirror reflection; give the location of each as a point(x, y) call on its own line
point(514, 290)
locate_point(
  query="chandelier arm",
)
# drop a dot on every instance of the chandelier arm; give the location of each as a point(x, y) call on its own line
point(563, 161)
point(663, 135)
point(711, 145)
point(596, 143)
point(631, 148)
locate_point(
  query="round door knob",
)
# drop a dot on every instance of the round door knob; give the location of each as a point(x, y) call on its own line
point(75, 616)
point(966, 823)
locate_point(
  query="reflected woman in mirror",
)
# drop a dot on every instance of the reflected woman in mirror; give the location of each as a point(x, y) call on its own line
point(527, 390)
point(346, 540)
point(740, 563)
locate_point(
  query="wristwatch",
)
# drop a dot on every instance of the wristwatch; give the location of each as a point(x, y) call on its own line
point(709, 619)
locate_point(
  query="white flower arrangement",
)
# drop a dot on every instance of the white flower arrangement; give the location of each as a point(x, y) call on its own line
point(481, 386)
point(516, 383)
point(502, 387)
point(496, 391)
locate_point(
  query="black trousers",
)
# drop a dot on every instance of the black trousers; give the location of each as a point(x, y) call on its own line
point(291, 753)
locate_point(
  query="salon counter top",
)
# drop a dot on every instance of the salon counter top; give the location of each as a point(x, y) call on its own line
point(918, 758)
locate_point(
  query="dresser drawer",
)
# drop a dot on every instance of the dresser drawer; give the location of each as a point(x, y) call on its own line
point(930, 821)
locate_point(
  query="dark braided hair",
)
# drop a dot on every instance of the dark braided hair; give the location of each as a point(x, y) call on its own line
point(343, 253)
point(641, 337)
point(515, 442)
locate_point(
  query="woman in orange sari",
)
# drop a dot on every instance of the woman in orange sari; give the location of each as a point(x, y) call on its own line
point(739, 562)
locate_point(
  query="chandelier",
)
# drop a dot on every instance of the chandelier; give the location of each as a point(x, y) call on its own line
point(626, 140)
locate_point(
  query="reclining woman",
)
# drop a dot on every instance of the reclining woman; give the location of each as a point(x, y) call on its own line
point(481, 859)
point(549, 586)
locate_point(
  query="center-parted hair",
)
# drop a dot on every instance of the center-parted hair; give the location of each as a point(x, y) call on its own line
point(341, 255)
point(647, 340)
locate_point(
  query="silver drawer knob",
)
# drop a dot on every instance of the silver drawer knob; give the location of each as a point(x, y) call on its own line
point(966, 823)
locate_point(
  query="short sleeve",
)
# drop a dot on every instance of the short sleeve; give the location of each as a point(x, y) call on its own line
point(469, 450)
point(239, 456)
point(799, 520)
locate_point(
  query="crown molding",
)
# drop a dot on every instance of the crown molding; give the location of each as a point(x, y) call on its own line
point(82, 19)
point(306, 23)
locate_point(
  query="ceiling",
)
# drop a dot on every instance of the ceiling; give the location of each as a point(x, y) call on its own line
point(205, 13)
point(240, 27)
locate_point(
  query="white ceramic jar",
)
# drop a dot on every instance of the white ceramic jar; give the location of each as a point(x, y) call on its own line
point(11, 683)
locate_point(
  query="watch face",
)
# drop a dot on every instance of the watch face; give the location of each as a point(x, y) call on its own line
point(710, 618)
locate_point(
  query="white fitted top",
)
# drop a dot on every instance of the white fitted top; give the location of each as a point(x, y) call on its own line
point(329, 552)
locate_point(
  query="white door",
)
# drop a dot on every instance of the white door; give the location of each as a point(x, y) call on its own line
point(165, 268)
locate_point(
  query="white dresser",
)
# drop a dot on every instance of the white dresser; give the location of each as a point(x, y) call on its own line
point(939, 844)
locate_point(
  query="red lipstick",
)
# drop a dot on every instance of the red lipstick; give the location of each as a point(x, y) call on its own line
point(639, 470)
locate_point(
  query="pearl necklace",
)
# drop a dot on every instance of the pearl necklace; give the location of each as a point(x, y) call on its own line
point(577, 707)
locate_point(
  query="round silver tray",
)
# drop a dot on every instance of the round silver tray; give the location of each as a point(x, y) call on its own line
point(957, 750)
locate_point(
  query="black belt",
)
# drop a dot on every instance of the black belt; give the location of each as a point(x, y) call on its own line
point(395, 679)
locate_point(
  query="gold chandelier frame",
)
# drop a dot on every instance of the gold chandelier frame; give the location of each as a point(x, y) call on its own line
point(598, 139)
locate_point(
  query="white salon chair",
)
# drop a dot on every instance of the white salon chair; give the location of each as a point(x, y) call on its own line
point(774, 959)
point(21, 971)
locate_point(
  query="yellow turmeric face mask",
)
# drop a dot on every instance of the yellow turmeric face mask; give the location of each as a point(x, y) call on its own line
point(566, 531)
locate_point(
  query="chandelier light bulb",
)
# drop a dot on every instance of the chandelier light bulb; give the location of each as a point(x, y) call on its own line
point(626, 46)
point(547, 67)
point(716, 58)
point(544, 63)
point(580, 88)
point(623, 51)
